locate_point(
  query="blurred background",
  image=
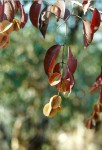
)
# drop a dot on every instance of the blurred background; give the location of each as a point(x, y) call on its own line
point(24, 89)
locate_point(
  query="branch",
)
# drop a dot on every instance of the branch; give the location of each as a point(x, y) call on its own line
point(80, 4)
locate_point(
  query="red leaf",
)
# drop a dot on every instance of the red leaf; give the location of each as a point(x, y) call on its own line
point(23, 15)
point(34, 12)
point(100, 99)
point(72, 62)
point(1, 11)
point(54, 79)
point(96, 20)
point(57, 68)
point(87, 33)
point(86, 4)
point(50, 58)
point(97, 84)
point(44, 20)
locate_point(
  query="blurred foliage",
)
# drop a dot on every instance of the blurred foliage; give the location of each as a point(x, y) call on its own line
point(24, 87)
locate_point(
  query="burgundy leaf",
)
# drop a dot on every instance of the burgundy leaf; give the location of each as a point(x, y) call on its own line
point(72, 62)
point(34, 12)
point(67, 14)
point(97, 84)
point(96, 20)
point(1, 11)
point(7, 10)
point(54, 79)
point(57, 68)
point(87, 33)
point(86, 4)
point(100, 99)
point(23, 15)
point(50, 58)
point(69, 76)
point(44, 20)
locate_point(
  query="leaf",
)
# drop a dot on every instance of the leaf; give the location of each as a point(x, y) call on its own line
point(56, 11)
point(7, 10)
point(96, 20)
point(97, 84)
point(69, 76)
point(51, 108)
point(64, 86)
point(57, 68)
point(100, 98)
point(1, 11)
point(55, 101)
point(86, 4)
point(67, 14)
point(44, 20)
point(4, 40)
point(34, 12)
point(61, 5)
point(72, 62)
point(54, 79)
point(87, 33)
point(50, 58)
point(23, 15)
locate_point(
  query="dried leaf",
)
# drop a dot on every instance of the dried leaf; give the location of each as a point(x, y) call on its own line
point(34, 12)
point(51, 108)
point(50, 58)
point(55, 101)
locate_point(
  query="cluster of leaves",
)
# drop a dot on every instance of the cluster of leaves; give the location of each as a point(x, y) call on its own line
point(63, 81)
point(95, 116)
point(8, 22)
